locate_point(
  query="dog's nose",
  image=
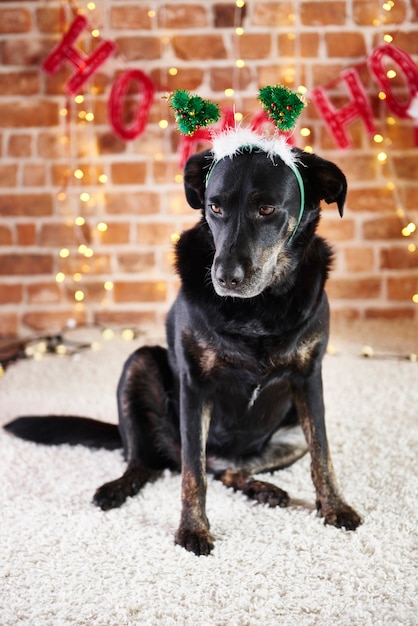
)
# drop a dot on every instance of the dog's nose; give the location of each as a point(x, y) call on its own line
point(229, 278)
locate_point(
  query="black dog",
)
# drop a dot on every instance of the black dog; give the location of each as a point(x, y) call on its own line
point(246, 336)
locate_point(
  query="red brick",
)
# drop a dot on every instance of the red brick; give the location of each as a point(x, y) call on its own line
point(402, 287)
point(24, 83)
point(25, 264)
point(365, 14)
point(202, 47)
point(59, 234)
point(26, 234)
point(145, 291)
point(393, 313)
point(406, 168)
point(189, 78)
point(323, 13)
point(398, 258)
point(126, 173)
point(154, 234)
point(75, 263)
point(387, 227)
point(8, 175)
point(273, 14)
point(136, 262)
point(6, 238)
point(375, 199)
point(26, 52)
point(125, 318)
point(20, 145)
point(116, 234)
point(354, 288)
point(139, 203)
point(14, 21)
point(49, 20)
point(347, 44)
point(252, 46)
point(43, 293)
point(131, 17)
point(8, 324)
point(25, 205)
point(10, 294)
point(359, 259)
point(227, 16)
point(52, 321)
point(28, 114)
point(222, 78)
point(182, 16)
point(109, 144)
point(34, 175)
point(336, 229)
point(306, 46)
point(139, 48)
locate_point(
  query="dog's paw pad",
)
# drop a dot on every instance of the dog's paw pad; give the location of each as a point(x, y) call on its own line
point(199, 542)
point(109, 496)
point(266, 493)
point(343, 517)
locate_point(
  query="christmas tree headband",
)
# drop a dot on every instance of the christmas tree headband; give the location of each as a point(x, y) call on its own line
point(283, 107)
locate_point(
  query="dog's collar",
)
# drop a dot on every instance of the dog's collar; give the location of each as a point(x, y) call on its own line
point(237, 141)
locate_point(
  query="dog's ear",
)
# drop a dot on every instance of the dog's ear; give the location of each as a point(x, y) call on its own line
point(195, 172)
point(326, 180)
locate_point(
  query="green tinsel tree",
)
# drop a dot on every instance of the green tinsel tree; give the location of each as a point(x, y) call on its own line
point(281, 104)
point(192, 112)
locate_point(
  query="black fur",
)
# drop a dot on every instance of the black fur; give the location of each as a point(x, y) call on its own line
point(246, 336)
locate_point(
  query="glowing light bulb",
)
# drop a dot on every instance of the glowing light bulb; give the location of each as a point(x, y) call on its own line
point(240, 63)
point(239, 31)
point(382, 157)
point(60, 277)
point(378, 138)
point(95, 32)
point(391, 74)
point(305, 132)
point(79, 221)
point(79, 295)
point(381, 95)
point(229, 92)
point(108, 285)
point(103, 178)
point(89, 117)
point(64, 253)
point(173, 71)
point(102, 227)
point(79, 99)
point(174, 237)
point(84, 196)
point(163, 123)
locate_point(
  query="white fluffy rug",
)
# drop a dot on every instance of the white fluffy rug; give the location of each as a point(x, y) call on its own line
point(63, 561)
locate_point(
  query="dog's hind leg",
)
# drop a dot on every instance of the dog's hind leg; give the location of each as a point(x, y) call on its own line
point(147, 423)
point(260, 490)
point(286, 446)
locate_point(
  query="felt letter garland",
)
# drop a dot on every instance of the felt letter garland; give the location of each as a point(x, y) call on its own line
point(359, 107)
point(66, 52)
point(116, 102)
point(409, 70)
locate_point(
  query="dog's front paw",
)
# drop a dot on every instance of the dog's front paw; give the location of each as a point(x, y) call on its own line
point(110, 495)
point(342, 517)
point(198, 541)
point(266, 493)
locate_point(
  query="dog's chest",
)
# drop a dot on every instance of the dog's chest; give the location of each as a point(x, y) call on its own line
point(254, 359)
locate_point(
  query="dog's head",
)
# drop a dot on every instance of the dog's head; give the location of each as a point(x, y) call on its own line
point(252, 204)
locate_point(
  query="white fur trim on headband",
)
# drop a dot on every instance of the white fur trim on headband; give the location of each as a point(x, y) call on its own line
point(231, 142)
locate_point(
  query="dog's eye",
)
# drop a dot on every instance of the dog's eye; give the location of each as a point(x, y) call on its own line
point(266, 209)
point(215, 209)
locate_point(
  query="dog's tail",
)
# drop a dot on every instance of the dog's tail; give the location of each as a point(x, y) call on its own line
point(55, 430)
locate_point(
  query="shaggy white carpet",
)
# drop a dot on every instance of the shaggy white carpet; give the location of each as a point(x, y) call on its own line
point(63, 561)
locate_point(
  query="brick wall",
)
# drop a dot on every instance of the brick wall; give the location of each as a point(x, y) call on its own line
point(141, 201)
